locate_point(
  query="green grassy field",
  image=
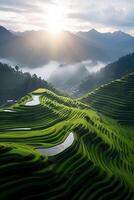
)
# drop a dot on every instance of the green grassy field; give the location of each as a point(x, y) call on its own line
point(99, 165)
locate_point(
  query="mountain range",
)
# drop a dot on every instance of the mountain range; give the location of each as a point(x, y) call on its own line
point(36, 48)
point(114, 44)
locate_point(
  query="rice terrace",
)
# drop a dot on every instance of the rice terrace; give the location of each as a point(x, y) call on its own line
point(100, 156)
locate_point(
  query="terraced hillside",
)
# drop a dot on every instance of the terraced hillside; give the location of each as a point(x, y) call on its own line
point(96, 164)
point(115, 99)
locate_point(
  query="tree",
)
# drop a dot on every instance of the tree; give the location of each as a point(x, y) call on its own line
point(17, 68)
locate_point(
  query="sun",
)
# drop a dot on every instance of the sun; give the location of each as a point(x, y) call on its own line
point(56, 19)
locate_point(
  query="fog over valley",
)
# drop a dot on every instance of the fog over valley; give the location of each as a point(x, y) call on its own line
point(47, 70)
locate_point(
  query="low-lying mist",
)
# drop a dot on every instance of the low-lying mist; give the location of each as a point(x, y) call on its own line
point(53, 68)
point(48, 70)
point(93, 66)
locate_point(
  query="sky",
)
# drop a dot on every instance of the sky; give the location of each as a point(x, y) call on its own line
point(71, 15)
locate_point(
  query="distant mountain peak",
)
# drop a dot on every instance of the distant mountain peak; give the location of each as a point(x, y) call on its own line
point(2, 28)
point(4, 31)
point(121, 33)
point(93, 31)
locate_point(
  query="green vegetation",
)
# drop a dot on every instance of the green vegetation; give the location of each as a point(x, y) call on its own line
point(98, 166)
point(114, 100)
point(116, 70)
point(14, 84)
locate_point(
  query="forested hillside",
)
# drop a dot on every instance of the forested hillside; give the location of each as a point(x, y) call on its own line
point(14, 84)
point(111, 72)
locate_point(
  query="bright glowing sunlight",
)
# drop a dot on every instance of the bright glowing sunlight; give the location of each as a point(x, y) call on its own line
point(56, 19)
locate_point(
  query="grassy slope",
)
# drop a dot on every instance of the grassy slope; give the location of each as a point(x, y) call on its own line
point(99, 164)
point(114, 99)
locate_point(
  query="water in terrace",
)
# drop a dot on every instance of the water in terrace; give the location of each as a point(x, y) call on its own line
point(52, 150)
point(9, 111)
point(35, 101)
point(59, 148)
point(20, 129)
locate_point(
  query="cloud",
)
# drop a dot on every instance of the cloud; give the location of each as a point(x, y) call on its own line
point(114, 14)
point(84, 15)
point(47, 70)
point(22, 15)
point(43, 71)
